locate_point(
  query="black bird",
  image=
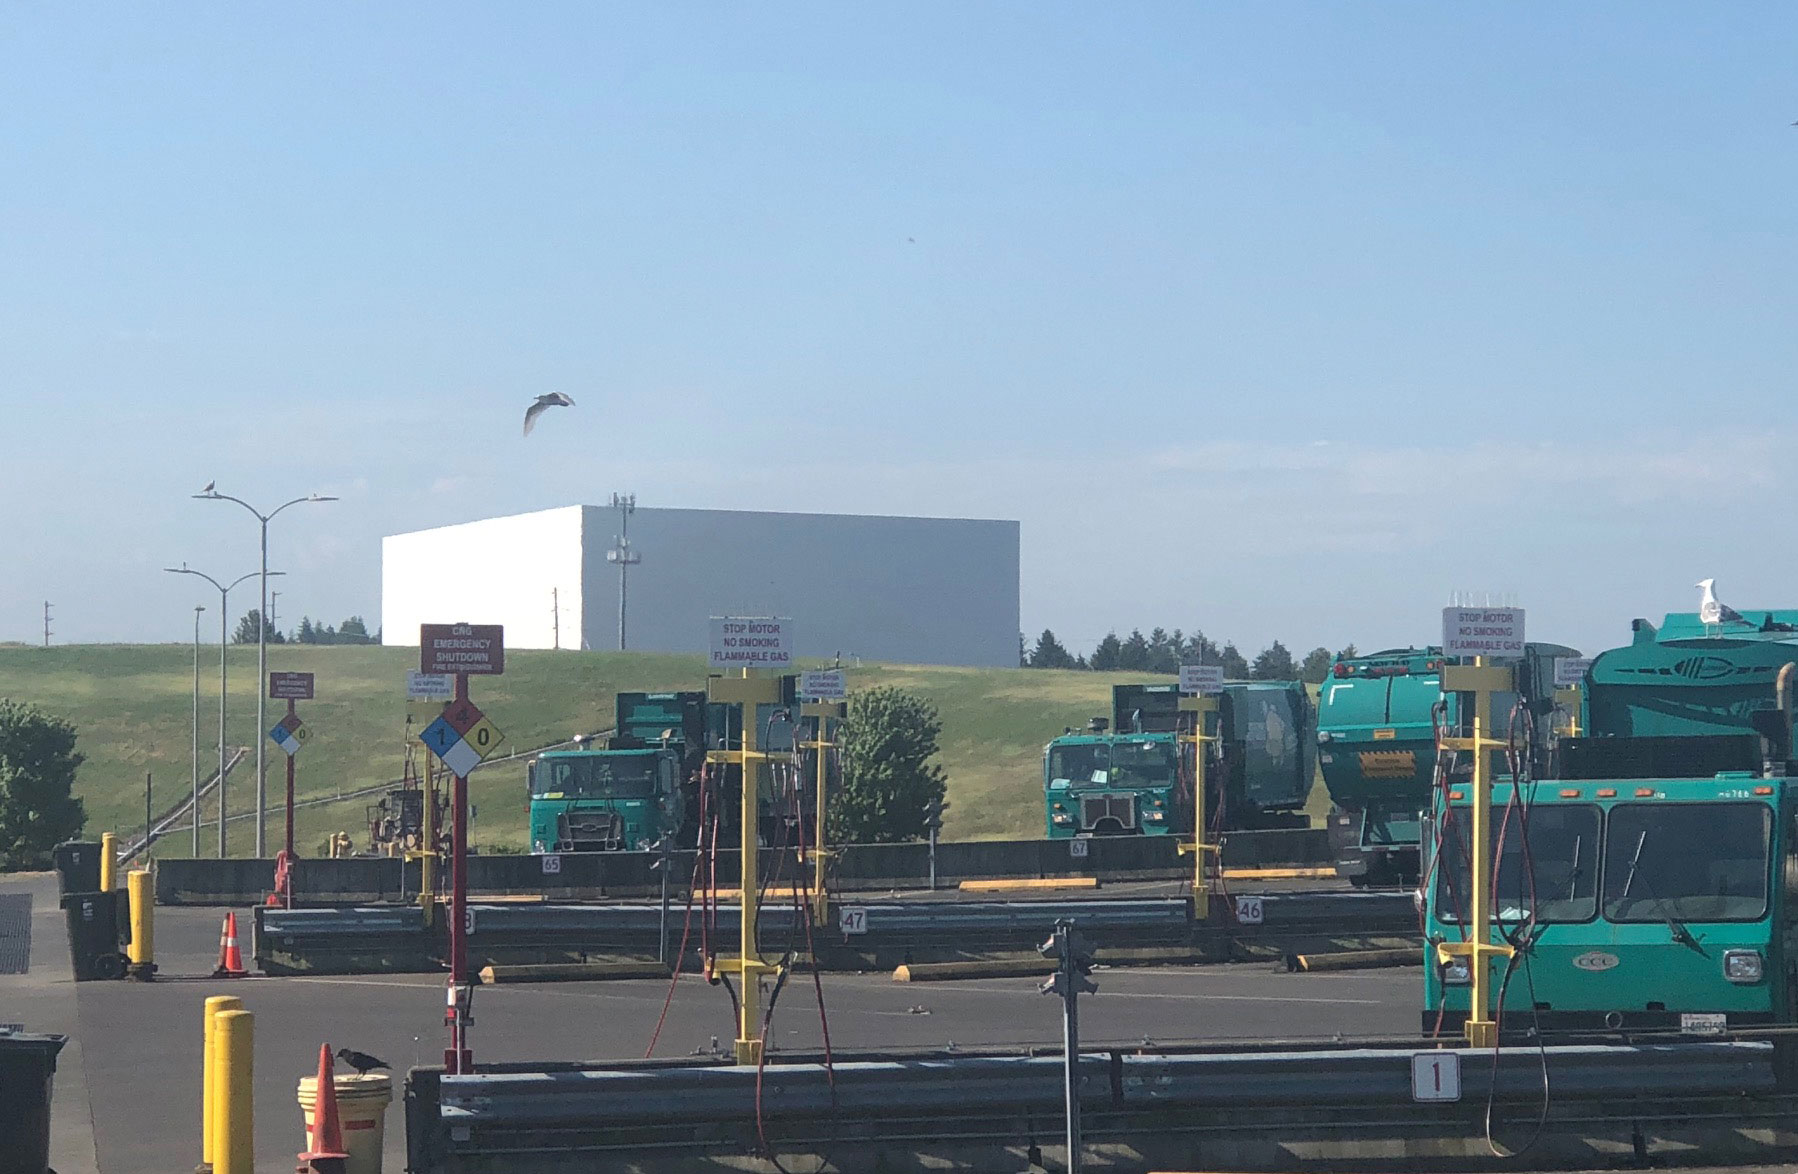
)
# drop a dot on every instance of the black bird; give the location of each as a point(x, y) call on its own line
point(362, 1062)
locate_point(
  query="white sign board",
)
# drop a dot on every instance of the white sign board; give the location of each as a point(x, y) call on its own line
point(1482, 631)
point(751, 642)
point(552, 865)
point(430, 686)
point(1077, 848)
point(1571, 670)
point(1205, 680)
point(1250, 911)
point(853, 921)
point(829, 685)
point(1435, 1076)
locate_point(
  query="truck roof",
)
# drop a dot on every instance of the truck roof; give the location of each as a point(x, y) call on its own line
point(1757, 623)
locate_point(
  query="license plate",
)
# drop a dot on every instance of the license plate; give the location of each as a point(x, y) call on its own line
point(1703, 1023)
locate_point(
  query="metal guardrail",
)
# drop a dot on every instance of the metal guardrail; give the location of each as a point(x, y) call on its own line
point(1139, 1105)
point(897, 931)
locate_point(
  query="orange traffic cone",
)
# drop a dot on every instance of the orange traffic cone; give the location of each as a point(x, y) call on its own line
point(230, 957)
point(324, 1140)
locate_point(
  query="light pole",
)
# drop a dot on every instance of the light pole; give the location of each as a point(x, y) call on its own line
point(211, 494)
point(198, 608)
point(224, 590)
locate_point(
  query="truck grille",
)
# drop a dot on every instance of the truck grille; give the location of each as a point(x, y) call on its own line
point(589, 831)
point(1096, 808)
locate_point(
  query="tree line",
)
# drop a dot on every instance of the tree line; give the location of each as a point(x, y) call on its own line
point(1162, 651)
point(350, 631)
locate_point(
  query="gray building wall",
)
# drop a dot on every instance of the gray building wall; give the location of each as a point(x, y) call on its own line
point(919, 590)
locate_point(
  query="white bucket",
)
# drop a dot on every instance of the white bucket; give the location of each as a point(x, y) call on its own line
point(362, 1110)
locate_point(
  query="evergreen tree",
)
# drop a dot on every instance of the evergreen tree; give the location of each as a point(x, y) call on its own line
point(1199, 650)
point(353, 631)
point(1106, 654)
point(1134, 655)
point(1235, 667)
point(1049, 653)
point(306, 634)
point(1348, 653)
point(1164, 651)
point(1316, 668)
point(1274, 664)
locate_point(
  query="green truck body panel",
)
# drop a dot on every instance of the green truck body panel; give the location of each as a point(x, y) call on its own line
point(1678, 788)
point(1137, 778)
point(1377, 750)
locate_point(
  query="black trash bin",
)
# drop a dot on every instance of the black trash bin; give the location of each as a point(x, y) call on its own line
point(93, 935)
point(27, 1065)
point(77, 866)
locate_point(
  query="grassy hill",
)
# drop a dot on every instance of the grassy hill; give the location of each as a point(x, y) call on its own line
point(133, 707)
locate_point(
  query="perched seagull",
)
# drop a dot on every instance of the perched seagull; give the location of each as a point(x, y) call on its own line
point(1712, 610)
point(209, 486)
point(542, 404)
point(362, 1062)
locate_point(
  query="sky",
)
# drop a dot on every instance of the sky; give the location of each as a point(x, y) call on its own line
point(1276, 321)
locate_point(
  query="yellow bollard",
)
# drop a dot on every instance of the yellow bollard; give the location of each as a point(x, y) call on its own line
point(208, 1092)
point(109, 862)
point(143, 923)
point(234, 1050)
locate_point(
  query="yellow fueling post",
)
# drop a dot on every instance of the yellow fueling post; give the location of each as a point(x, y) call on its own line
point(234, 1049)
point(142, 897)
point(748, 692)
point(822, 744)
point(1200, 849)
point(215, 1005)
point(109, 862)
point(1478, 682)
point(1567, 700)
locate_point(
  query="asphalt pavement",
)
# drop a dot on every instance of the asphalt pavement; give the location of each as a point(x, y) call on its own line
point(128, 1094)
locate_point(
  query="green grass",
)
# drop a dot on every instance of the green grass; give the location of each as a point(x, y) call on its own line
point(133, 706)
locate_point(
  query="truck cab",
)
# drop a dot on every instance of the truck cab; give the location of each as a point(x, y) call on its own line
point(1104, 784)
point(1642, 883)
point(604, 800)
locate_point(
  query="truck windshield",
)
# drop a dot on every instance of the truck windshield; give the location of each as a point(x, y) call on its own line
point(1654, 870)
point(1116, 764)
point(595, 777)
point(1549, 865)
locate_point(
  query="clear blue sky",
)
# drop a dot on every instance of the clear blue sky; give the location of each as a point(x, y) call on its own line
point(1275, 320)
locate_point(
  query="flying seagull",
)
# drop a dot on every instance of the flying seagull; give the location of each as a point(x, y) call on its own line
point(1712, 610)
point(542, 404)
point(362, 1062)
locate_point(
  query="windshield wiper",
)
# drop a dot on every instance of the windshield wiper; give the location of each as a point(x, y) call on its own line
point(1680, 933)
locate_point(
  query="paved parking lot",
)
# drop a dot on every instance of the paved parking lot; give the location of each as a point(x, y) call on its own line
point(137, 1056)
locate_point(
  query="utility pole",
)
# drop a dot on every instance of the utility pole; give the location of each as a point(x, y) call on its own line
point(1074, 956)
point(555, 617)
point(622, 554)
point(148, 818)
point(47, 623)
point(198, 608)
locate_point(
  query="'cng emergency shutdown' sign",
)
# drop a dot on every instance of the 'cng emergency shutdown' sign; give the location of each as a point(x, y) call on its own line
point(751, 642)
point(1482, 631)
point(462, 648)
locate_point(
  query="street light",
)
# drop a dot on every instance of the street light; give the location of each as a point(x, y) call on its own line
point(198, 608)
point(211, 494)
point(224, 590)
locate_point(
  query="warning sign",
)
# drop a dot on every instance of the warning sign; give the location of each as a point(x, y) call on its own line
point(751, 642)
point(462, 648)
point(1482, 631)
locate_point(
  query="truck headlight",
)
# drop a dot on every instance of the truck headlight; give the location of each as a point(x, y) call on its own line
point(1154, 816)
point(1457, 972)
point(1742, 966)
point(1062, 819)
point(537, 847)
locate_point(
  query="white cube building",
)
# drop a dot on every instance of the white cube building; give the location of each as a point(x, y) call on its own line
point(912, 590)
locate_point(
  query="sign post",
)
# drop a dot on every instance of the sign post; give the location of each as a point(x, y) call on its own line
point(1480, 633)
point(1200, 685)
point(289, 734)
point(823, 698)
point(461, 737)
